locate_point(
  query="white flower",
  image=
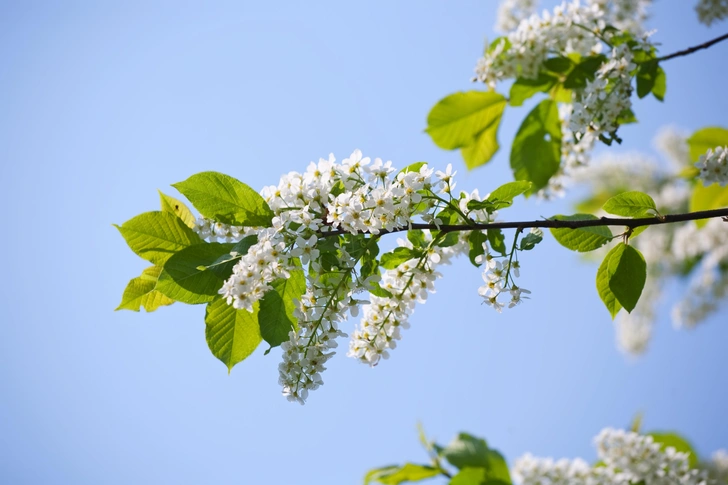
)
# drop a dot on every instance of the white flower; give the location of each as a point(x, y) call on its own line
point(710, 11)
point(714, 166)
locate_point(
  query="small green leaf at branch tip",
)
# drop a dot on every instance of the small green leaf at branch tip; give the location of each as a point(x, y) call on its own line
point(581, 239)
point(156, 236)
point(706, 138)
point(530, 240)
point(468, 120)
point(176, 207)
point(536, 150)
point(475, 242)
point(225, 199)
point(631, 204)
point(232, 335)
point(394, 475)
point(497, 241)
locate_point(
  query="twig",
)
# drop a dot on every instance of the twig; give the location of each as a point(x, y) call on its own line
point(690, 50)
point(555, 224)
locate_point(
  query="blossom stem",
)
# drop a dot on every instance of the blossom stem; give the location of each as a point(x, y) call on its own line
point(513, 251)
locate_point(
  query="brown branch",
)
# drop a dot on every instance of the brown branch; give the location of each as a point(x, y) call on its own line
point(690, 50)
point(556, 224)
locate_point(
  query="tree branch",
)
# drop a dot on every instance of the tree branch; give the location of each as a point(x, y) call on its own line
point(554, 224)
point(690, 50)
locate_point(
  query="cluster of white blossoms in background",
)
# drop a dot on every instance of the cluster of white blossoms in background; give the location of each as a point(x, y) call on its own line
point(597, 108)
point(627, 458)
point(714, 166)
point(670, 250)
point(628, 15)
point(325, 221)
point(572, 28)
point(710, 11)
point(512, 12)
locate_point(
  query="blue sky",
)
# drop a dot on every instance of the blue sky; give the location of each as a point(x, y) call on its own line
point(103, 104)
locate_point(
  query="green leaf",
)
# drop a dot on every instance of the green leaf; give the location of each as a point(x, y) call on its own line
point(186, 278)
point(156, 236)
point(398, 256)
point(476, 205)
point(646, 77)
point(475, 476)
point(393, 475)
point(413, 167)
point(582, 239)
point(536, 150)
point(503, 196)
point(660, 88)
point(529, 242)
point(467, 451)
point(170, 204)
point(603, 276)
point(628, 272)
point(417, 238)
point(224, 199)
point(583, 72)
point(706, 138)
point(497, 241)
point(524, 88)
point(276, 318)
point(223, 266)
point(140, 292)
point(559, 64)
point(467, 120)
point(707, 198)
point(630, 204)
point(377, 290)
point(679, 443)
point(475, 241)
point(231, 334)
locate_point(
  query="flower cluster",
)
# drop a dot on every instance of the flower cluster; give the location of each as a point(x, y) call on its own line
point(596, 109)
point(710, 11)
point(627, 458)
point(498, 277)
point(326, 223)
point(406, 285)
point(522, 52)
point(319, 312)
point(575, 29)
point(714, 166)
point(265, 262)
